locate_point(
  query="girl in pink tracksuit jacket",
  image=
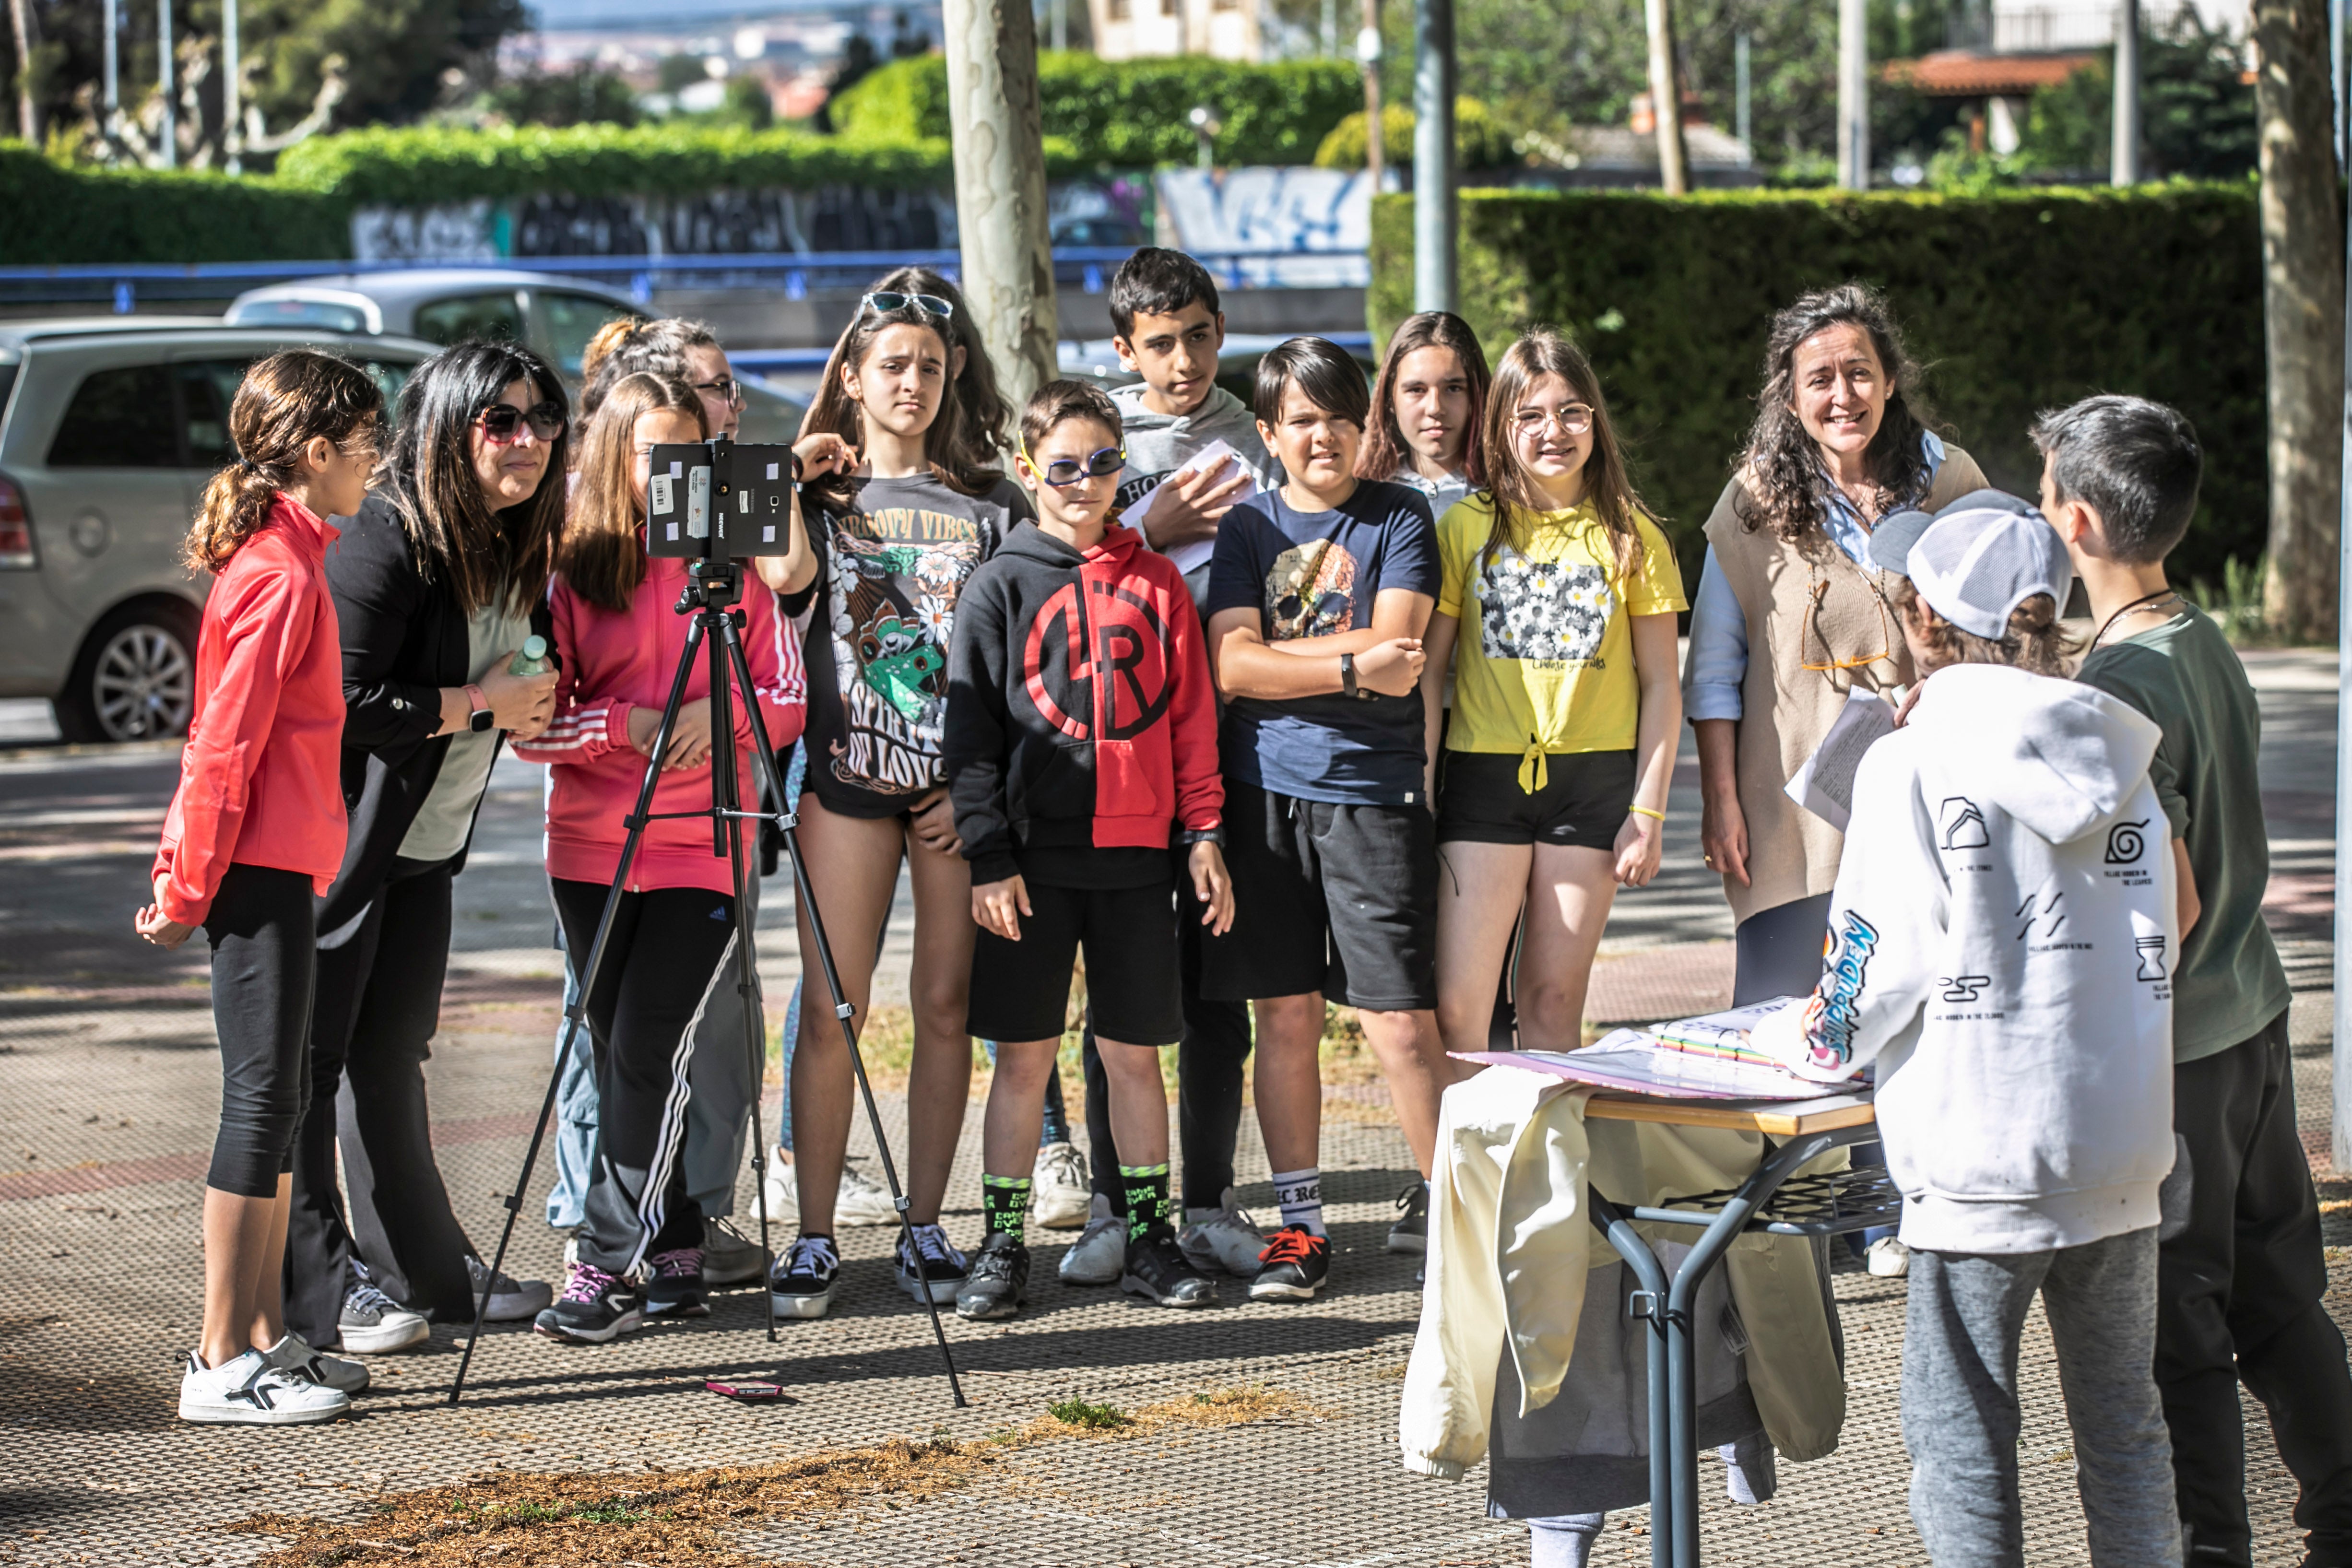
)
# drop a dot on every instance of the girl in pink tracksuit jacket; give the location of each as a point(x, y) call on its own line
point(673, 938)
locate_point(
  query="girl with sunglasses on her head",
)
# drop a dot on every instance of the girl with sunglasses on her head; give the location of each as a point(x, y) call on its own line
point(254, 829)
point(901, 510)
point(436, 582)
point(672, 948)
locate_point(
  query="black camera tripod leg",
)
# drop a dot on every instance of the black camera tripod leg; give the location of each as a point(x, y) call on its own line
point(766, 756)
point(726, 800)
point(577, 1013)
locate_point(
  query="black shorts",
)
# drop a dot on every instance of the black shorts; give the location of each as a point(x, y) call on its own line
point(1329, 898)
point(1581, 806)
point(1020, 990)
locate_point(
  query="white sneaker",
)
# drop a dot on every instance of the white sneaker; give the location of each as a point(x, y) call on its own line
point(777, 1185)
point(1061, 1193)
point(1099, 1257)
point(249, 1392)
point(1888, 1259)
point(373, 1322)
point(861, 1200)
point(1227, 1240)
point(294, 1354)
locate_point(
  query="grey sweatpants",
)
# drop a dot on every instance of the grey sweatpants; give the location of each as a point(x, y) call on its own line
point(1960, 1417)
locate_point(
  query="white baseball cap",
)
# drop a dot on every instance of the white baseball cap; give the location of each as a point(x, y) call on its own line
point(1976, 559)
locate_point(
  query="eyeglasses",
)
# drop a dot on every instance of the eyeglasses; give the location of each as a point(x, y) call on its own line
point(727, 387)
point(1813, 632)
point(882, 302)
point(1574, 419)
point(1066, 471)
point(502, 422)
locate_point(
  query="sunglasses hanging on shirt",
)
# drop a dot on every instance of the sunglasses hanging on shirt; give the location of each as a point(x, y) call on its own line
point(501, 421)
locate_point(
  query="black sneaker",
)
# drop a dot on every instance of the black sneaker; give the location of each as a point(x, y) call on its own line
point(1294, 1266)
point(674, 1284)
point(944, 1266)
point(802, 1285)
point(595, 1307)
point(1411, 1231)
point(1158, 1270)
point(998, 1280)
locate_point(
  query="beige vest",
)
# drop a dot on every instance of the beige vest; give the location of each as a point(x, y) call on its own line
point(1805, 604)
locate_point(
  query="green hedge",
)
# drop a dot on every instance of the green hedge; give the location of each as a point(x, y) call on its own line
point(425, 164)
point(1479, 139)
point(2017, 301)
point(1130, 114)
point(58, 214)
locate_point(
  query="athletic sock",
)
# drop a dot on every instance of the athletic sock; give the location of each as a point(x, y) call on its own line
point(1300, 1195)
point(1004, 1202)
point(1147, 1197)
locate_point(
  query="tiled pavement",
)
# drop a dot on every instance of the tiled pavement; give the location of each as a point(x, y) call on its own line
point(107, 1090)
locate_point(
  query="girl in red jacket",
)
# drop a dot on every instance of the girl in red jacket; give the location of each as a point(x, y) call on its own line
point(255, 830)
point(673, 938)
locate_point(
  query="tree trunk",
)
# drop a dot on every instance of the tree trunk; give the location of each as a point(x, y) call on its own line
point(27, 27)
point(2303, 313)
point(1667, 100)
point(999, 177)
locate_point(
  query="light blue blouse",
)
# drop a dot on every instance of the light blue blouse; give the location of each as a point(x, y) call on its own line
point(1718, 634)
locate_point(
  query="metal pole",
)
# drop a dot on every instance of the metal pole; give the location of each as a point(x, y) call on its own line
point(1368, 55)
point(999, 187)
point(1434, 200)
point(2342, 1038)
point(1743, 102)
point(1854, 95)
point(2336, 20)
point(113, 87)
point(2123, 160)
point(164, 81)
point(1058, 20)
point(232, 135)
point(1667, 100)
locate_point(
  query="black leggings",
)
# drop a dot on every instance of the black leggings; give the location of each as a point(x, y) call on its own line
point(670, 948)
point(1211, 1067)
point(265, 963)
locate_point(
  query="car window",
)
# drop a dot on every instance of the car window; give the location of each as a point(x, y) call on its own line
point(494, 316)
point(297, 311)
point(120, 418)
point(566, 323)
point(390, 376)
point(207, 387)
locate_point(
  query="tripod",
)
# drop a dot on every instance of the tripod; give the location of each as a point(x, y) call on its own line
point(714, 585)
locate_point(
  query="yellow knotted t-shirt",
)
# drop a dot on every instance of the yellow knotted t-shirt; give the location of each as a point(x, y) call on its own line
point(1544, 663)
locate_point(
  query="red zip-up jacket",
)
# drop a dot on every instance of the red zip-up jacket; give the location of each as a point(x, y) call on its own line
point(1079, 704)
point(261, 775)
point(616, 662)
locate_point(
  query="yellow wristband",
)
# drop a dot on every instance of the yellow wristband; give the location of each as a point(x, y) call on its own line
point(1645, 811)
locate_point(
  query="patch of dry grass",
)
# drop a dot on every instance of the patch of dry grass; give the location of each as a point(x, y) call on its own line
point(679, 1519)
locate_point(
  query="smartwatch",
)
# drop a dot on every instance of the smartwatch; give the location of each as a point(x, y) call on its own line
point(1348, 676)
point(1215, 835)
point(481, 722)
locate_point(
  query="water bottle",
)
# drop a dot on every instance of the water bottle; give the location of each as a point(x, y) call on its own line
point(532, 659)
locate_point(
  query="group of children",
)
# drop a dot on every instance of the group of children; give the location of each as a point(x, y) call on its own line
point(1218, 726)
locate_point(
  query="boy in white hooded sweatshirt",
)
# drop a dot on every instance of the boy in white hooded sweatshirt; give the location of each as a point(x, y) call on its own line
point(2002, 935)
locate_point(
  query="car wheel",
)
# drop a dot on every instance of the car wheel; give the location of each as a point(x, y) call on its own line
point(135, 678)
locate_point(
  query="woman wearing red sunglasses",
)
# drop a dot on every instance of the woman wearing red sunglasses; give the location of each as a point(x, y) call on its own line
point(437, 583)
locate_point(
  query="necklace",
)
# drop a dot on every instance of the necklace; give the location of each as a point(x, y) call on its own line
point(2143, 601)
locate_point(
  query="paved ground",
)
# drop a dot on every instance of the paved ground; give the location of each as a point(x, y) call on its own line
point(111, 1081)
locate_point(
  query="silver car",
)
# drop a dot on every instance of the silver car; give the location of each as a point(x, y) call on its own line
point(554, 316)
point(109, 428)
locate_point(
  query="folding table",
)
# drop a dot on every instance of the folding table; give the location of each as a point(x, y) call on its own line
point(1775, 1200)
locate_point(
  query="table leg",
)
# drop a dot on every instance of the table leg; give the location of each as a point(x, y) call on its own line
point(1648, 1303)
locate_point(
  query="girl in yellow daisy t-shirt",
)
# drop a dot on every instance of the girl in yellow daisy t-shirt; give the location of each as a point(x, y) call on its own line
point(1557, 610)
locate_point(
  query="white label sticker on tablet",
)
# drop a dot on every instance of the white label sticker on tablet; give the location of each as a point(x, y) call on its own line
point(673, 533)
point(678, 470)
point(768, 534)
point(772, 470)
point(661, 494)
point(698, 504)
point(743, 502)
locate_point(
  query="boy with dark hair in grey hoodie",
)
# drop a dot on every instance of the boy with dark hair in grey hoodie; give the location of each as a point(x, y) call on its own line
point(1168, 330)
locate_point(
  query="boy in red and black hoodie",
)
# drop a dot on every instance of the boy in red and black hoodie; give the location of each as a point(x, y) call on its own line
point(1081, 752)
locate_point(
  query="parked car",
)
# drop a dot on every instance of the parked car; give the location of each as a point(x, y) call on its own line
point(555, 315)
point(110, 429)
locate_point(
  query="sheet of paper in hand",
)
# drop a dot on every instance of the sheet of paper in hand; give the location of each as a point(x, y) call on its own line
point(1191, 557)
point(1634, 1063)
point(1824, 785)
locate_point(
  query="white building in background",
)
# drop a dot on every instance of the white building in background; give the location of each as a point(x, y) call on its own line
point(2045, 26)
point(1222, 29)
